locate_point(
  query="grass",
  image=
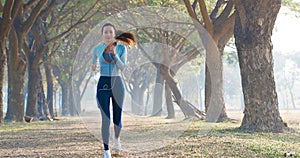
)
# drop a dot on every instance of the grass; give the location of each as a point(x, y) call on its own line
point(228, 140)
point(20, 127)
point(201, 139)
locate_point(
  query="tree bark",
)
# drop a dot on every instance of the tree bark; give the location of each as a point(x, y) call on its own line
point(290, 87)
point(43, 96)
point(137, 101)
point(141, 101)
point(170, 106)
point(292, 98)
point(208, 90)
point(49, 79)
point(2, 65)
point(16, 71)
point(6, 22)
point(214, 101)
point(218, 57)
point(72, 107)
point(76, 97)
point(134, 104)
point(65, 111)
point(34, 52)
point(31, 108)
point(158, 91)
point(253, 29)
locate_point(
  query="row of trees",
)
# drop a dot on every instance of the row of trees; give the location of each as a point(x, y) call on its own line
point(32, 31)
point(48, 33)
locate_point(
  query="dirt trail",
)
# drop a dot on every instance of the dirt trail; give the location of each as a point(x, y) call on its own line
point(69, 138)
point(61, 139)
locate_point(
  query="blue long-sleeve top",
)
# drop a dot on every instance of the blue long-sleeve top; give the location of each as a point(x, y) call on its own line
point(107, 67)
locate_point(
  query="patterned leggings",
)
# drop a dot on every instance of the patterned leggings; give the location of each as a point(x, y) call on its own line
point(110, 87)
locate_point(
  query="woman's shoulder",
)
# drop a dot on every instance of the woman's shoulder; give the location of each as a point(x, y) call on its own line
point(99, 47)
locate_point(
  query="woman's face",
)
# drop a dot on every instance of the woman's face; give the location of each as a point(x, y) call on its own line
point(108, 34)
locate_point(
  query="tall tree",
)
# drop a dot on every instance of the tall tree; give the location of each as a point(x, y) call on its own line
point(40, 39)
point(219, 25)
point(26, 17)
point(253, 30)
point(43, 110)
point(174, 53)
point(8, 13)
point(137, 83)
point(49, 79)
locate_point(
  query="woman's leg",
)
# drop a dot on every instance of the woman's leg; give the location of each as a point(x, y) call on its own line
point(117, 102)
point(103, 98)
point(117, 117)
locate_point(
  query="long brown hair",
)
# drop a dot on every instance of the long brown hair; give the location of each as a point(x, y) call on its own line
point(126, 37)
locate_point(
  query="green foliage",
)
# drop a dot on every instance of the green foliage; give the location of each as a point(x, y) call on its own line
point(163, 3)
point(292, 4)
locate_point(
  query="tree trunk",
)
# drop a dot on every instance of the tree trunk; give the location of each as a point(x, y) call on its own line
point(292, 97)
point(31, 109)
point(40, 113)
point(137, 101)
point(188, 109)
point(214, 101)
point(65, 111)
point(72, 106)
point(56, 96)
point(201, 100)
point(6, 22)
point(218, 77)
point(77, 99)
point(170, 107)
point(290, 87)
point(147, 102)
point(16, 68)
point(45, 106)
point(141, 101)
point(220, 29)
point(158, 91)
point(253, 30)
point(49, 79)
point(134, 104)
point(2, 66)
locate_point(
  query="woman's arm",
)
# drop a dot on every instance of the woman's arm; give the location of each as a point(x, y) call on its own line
point(94, 59)
point(121, 60)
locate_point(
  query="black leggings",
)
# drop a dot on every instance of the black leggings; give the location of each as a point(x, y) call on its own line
point(110, 87)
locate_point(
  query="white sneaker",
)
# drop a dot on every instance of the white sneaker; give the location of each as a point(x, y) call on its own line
point(107, 154)
point(116, 144)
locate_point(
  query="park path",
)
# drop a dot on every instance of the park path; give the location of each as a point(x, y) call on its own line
point(69, 138)
point(66, 138)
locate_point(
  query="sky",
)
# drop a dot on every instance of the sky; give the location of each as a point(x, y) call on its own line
point(286, 33)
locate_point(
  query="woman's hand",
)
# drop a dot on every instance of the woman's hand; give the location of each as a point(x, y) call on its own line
point(94, 67)
point(112, 49)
